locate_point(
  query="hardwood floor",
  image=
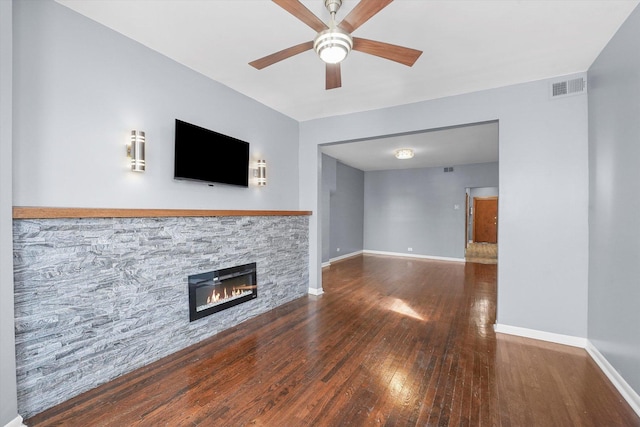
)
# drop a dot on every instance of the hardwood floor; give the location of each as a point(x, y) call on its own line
point(393, 341)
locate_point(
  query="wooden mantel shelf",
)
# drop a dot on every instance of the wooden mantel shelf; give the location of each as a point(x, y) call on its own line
point(25, 212)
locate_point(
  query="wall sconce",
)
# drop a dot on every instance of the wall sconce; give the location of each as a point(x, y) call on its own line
point(261, 173)
point(135, 150)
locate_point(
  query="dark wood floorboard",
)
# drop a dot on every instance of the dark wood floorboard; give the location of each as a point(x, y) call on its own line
point(392, 342)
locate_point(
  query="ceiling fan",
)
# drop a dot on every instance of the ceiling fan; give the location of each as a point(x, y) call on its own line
point(334, 41)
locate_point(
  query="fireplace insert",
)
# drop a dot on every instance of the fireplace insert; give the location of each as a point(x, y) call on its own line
point(220, 289)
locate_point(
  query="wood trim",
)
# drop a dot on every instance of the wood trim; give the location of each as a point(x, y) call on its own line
point(25, 212)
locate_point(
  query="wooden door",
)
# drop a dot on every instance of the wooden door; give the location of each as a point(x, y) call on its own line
point(485, 219)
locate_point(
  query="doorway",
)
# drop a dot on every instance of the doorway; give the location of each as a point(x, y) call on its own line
point(481, 234)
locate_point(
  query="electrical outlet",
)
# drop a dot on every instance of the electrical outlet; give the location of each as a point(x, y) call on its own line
point(410, 249)
point(337, 249)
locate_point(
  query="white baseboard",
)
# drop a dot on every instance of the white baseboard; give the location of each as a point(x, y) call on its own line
point(314, 291)
point(541, 335)
point(326, 264)
point(616, 379)
point(628, 393)
point(349, 255)
point(16, 422)
point(400, 254)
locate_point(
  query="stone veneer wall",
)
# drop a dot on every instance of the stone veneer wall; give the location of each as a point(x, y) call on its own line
point(97, 298)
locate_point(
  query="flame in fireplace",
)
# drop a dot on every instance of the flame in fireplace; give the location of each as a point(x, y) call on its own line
point(236, 291)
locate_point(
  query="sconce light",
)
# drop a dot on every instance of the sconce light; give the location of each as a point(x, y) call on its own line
point(261, 173)
point(135, 150)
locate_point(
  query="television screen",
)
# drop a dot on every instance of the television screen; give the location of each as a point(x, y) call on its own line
point(204, 155)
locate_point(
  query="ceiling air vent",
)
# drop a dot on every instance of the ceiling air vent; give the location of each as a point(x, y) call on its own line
point(568, 87)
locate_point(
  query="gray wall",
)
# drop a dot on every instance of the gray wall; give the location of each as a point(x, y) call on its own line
point(342, 209)
point(416, 208)
point(347, 212)
point(8, 395)
point(482, 192)
point(544, 192)
point(329, 165)
point(80, 88)
point(614, 234)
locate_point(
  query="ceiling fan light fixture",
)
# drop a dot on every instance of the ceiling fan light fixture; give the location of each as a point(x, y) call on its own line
point(404, 153)
point(333, 45)
point(333, 42)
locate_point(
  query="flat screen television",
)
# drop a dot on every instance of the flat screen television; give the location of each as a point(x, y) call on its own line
point(207, 156)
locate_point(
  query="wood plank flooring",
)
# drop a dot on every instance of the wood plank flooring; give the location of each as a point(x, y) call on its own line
point(393, 341)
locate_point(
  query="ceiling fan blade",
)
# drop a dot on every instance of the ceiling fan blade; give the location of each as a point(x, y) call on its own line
point(298, 10)
point(401, 54)
point(283, 54)
point(334, 79)
point(362, 13)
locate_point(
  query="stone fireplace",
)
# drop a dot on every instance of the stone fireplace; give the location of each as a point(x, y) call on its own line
point(99, 293)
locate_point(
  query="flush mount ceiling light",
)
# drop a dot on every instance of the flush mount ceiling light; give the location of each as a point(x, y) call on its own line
point(404, 153)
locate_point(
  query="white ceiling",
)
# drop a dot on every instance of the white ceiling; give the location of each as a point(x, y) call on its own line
point(442, 147)
point(468, 45)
